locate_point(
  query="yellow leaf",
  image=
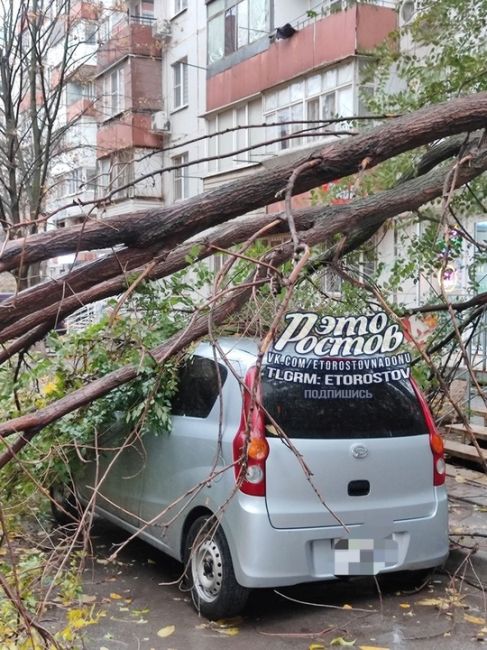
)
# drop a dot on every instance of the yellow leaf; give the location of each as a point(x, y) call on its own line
point(476, 620)
point(166, 631)
point(228, 631)
point(229, 622)
point(347, 607)
point(405, 605)
point(316, 646)
point(339, 640)
point(431, 602)
point(115, 596)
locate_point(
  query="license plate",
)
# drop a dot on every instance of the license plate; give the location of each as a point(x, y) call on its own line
point(364, 557)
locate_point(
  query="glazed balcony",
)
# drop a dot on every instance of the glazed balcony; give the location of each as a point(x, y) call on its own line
point(131, 35)
point(318, 41)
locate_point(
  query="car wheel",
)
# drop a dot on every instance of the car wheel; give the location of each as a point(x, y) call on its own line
point(64, 504)
point(209, 572)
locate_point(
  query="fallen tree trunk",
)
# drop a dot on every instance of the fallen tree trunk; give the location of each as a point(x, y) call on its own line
point(46, 303)
point(174, 224)
point(354, 221)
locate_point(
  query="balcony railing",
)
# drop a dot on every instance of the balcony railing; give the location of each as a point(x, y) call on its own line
point(127, 35)
point(326, 7)
point(142, 20)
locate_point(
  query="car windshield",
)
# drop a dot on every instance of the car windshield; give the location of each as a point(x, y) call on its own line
point(386, 410)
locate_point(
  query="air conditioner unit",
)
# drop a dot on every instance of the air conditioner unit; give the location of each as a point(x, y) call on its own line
point(162, 28)
point(407, 11)
point(160, 122)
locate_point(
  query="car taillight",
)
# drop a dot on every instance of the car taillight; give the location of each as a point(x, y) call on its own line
point(250, 446)
point(436, 441)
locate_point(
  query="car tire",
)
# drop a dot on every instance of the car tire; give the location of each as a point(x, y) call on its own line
point(209, 572)
point(65, 506)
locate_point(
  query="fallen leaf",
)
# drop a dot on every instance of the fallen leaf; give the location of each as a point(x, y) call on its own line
point(228, 631)
point(347, 607)
point(87, 599)
point(115, 596)
point(432, 602)
point(229, 622)
point(476, 620)
point(339, 640)
point(371, 647)
point(405, 605)
point(166, 631)
point(316, 646)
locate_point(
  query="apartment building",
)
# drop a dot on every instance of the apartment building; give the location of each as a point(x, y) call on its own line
point(286, 65)
point(71, 59)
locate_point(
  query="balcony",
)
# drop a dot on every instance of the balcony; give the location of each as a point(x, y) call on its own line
point(130, 130)
point(130, 35)
point(334, 37)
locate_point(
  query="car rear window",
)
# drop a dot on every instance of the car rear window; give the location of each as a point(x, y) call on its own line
point(389, 410)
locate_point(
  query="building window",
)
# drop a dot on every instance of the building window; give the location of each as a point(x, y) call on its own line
point(232, 24)
point(142, 12)
point(323, 96)
point(113, 93)
point(91, 33)
point(180, 72)
point(74, 92)
point(181, 179)
point(222, 147)
point(116, 176)
point(75, 180)
point(362, 263)
point(180, 5)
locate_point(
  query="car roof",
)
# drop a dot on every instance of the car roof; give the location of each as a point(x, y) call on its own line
point(238, 350)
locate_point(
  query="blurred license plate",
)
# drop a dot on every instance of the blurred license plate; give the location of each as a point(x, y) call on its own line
point(364, 557)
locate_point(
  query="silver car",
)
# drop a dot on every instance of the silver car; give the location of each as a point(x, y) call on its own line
point(293, 490)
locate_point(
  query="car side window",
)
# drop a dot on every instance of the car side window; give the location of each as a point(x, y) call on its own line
point(198, 387)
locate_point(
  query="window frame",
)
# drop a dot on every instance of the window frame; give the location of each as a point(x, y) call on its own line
point(180, 83)
point(233, 39)
point(273, 105)
point(180, 178)
point(115, 172)
point(114, 92)
point(180, 6)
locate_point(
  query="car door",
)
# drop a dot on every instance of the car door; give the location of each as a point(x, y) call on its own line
point(115, 472)
point(181, 460)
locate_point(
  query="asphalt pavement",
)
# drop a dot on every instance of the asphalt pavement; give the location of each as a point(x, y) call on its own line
point(141, 605)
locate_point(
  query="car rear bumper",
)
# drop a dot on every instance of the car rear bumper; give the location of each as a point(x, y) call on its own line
point(264, 556)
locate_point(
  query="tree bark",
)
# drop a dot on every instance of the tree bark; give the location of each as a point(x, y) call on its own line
point(174, 224)
point(49, 302)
